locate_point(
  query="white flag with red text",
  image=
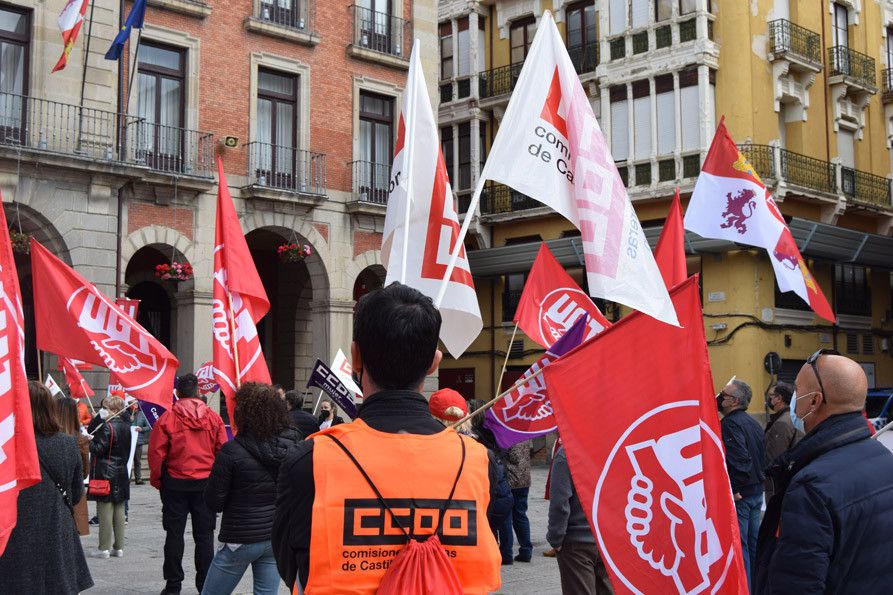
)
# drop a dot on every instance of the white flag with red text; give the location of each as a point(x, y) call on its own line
point(421, 187)
point(550, 147)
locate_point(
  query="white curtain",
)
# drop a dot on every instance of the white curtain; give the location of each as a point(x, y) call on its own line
point(618, 9)
point(620, 130)
point(640, 12)
point(642, 123)
point(666, 123)
point(688, 98)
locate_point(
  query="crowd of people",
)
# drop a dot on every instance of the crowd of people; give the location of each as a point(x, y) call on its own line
point(398, 497)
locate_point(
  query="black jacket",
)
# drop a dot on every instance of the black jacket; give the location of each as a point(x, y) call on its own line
point(242, 485)
point(742, 437)
point(828, 528)
point(111, 463)
point(386, 411)
point(304, 422)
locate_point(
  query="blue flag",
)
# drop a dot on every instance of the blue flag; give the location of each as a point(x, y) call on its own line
point(134, 19)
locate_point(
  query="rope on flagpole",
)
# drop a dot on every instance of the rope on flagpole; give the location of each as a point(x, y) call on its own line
point(521, 382)
point(506, 360)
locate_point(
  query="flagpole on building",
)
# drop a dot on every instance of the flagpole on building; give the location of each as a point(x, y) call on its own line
point(506, 360)
point(132, 72)
point(84, 73)
point(521, 382)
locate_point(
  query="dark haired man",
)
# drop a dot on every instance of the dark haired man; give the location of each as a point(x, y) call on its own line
point(182, 448)
point(781, 435)
point(329, 517)
point(300, 419)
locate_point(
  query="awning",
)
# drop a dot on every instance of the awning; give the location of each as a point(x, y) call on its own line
point(816, 240)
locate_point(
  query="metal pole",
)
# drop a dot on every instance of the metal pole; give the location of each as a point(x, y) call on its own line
point(84, 74)
point(132, 73)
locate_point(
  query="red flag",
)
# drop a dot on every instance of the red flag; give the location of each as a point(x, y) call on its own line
point(77, 386)
point(129, 307)
point(74, 319)
point(670, 250)
point(651, 472)
point(19, 465)
point(552, 301)
point(239, 302)
point(70, 20)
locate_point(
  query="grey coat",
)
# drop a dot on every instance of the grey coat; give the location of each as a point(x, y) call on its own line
point(567, 521)
point(517, 466)
point(44, 553)
point(780, 437)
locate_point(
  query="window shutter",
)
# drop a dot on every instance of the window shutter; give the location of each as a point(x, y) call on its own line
point(688, 98)
point(666, 123)
point(845, 140)
point(463, 40)
point(620, 130)
point(618, 16)
point(482, 43)
point(642, 123)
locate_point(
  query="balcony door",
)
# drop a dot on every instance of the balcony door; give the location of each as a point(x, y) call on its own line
point(582, 36)
point(277, 127)
point(521, 36)
point(374, 18)
point(376, 146)
point(15, 37)
point(161, 104)
point(282, 12)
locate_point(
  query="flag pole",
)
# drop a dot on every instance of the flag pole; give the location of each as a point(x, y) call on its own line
point(521, 382)
point(132, 73)
point(469, 215)
point(410, 154)
point(106, 420)
point(39, 364)
point(90, 403)
point(232, 319)
point(84, 73)
point(506, 360)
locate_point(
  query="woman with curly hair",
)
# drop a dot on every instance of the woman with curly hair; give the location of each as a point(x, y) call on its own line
point(242, 485)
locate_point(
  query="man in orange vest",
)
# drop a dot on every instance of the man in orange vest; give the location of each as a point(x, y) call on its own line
point(331, 530)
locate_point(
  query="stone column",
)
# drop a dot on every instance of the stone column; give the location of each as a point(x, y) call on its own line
point(193, 329)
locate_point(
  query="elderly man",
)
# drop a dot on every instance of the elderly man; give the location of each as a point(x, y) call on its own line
point(781, 435)
point(745, 458)
point(828, 528)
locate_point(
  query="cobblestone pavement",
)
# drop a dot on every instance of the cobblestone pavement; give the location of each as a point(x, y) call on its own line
point(140, 569)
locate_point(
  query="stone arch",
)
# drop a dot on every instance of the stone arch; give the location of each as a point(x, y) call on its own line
point(157, 235)
point(370, 278)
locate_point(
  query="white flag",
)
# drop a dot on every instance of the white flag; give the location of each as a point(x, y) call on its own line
point(53, 387)
point(550, 147)
point(344, 371)
point(421, 226)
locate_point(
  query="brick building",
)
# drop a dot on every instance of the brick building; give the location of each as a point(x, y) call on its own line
point(299, 97)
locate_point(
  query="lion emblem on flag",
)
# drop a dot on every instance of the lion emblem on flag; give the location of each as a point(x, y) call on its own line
point(739, 209)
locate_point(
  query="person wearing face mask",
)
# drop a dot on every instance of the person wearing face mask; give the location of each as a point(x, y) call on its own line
point(828, 526)
point(780, 432)
point(742, 437)
point(327, 417)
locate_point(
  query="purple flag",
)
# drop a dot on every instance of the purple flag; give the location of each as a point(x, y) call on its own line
point(323, 378)
point(526, 412)
point(152, 411)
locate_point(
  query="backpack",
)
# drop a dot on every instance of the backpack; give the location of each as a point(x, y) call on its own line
point(421, 567)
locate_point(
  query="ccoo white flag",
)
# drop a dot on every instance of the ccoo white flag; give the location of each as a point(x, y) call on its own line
point(421, 226)
point(51, 384)
point(550, 147)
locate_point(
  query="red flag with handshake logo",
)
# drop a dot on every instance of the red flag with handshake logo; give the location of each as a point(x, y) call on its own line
point(19, 465)
point(75, 320)
point(650, 472)
point(552, 302)
point(239, 302)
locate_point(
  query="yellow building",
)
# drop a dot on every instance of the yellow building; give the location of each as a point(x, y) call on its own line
point(805, 88)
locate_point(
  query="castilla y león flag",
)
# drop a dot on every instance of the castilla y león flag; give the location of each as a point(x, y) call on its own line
point(74, 319)
point(730, 202)
point(648, 461)
point(239, 302)
point(421, 226)
point(550, 147)
point(19, 465)
point(552, 302)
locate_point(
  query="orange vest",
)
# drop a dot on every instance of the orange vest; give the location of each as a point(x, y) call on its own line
point(353, 538)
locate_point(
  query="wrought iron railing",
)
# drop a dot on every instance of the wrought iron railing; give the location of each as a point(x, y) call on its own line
point(174, 150)
point(887, 88)
point(761, 157)
point(498, 81)
point(786, 37)
point(370, 181)
point(584, 57)
point(807, 172)
point(640, 42)
point(497, 198)
point(688, 30)
point(53, 127)
point(381, 32)
point(842, 61)
point(618, 48)
point(286, 168)
point(663, 37)
point(865, 188)
point(294, 14)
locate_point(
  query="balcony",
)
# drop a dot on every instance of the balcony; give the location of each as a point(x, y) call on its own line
point(498, 199)
point(887, 86)
point(380, 37)
point(793, 42)
point(370, 186)
point(584, 57)
point(293, 20)
point(853, 67)
point(865, 189)
point(796, 56)
point(173, 150)
point(286, 170)
point(656, 176)
point(193, 8)
point(499, 81)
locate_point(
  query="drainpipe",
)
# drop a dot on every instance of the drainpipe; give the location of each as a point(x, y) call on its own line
point(825, 74)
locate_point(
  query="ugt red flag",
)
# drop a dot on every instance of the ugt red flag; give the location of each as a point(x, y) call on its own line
point(77, 386)
point(74, 319)
point(129, 307)
point(730, 202)
point(239, 302)
point(670, 250)
point(651, 474)
point(552, 302)
point(70, 20)
point(19, 465)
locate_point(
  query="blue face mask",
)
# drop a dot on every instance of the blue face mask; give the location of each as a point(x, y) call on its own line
point(795, 419)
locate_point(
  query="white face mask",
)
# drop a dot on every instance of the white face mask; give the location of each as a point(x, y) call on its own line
point(103, 413)
point(795, 419)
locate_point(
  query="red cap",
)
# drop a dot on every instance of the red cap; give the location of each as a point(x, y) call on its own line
point(445, 399)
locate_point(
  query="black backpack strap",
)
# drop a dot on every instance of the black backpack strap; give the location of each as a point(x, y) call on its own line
point(455, 483)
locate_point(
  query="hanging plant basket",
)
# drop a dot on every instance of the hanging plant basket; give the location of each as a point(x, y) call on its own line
point(21, 242)
point(175, 271)
point(294, 252)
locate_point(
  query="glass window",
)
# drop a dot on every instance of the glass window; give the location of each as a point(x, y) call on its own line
point(446, 147)
point(446, 51)
point(639, 12)
point(663, 9)
point(617, 13)
point(14, 44)
point(276, 127)
point(666, 114)
point(161, 102)
point(582, 36)
point(687, 6)
point(851, 290)
point(521, 36)
point(376, 143)
point(619, 123)
point(511, 296)
point(839, 26)
point(889, 47)
point(689, 102)
point(464, 180)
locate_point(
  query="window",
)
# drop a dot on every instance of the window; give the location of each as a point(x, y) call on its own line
point(839, 26)
point(521, 36)
point(582, 36)
point(687, 6)
point(161, 104)
point(846, 140)
point(464, 179)
point(851, 290)
point(888, 48)
point(277, 127)
point(482, 147)
point(464, 42)
point(446, 51)
point(790, 300)
point(15, 32)
point(446, 147)
point(511, 295)
point(666, 114)
point(619, 123)
point(663, 9)
point(375, 26)
point(642, 119)
point(617, 14)
point(282, 12)
point(639, 13)
point(376, 145)
point(688, 100)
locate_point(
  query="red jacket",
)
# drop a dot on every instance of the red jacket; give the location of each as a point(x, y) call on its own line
point(184, 442)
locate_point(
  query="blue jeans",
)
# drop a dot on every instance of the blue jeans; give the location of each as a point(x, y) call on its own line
point(521, 523)
point(749, 526)
point(229, 565)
